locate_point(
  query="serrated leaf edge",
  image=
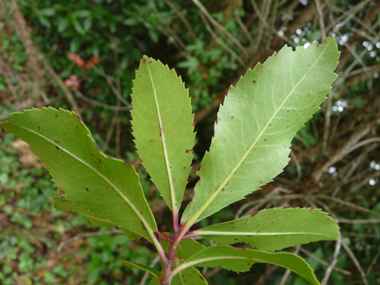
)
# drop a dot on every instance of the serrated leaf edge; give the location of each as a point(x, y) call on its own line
point(126, 200)
point(197, 214)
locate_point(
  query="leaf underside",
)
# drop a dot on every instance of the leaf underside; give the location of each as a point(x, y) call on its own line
point(240, 260)
point(163, 128)
point(275, 229)
point(105, 190)
point(257, 122)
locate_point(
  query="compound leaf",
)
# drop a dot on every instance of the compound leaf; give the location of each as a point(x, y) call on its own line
point(240, 260)
point(104, 189)
point(257, 122)
point(163, 128)
point(275, 229)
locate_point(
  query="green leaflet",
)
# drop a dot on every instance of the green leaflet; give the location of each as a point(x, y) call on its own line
point(257, 122)
point(189, 276)
point(275, 229)
point(155, 273)
point(106, 190)
point(240, 260)
point(163, 128)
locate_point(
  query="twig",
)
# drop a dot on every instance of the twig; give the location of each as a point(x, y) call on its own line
point(63, 243)
point(169, 30)
point(369, 221)
point(309, 254)
point(217, 39)
point(321, 22)
point(69, 96)
point(219, 26)
point(145, 277)
point(287, 272)
point(297, 163)
point(30, 49)
point(348, 204)
point(96, 103)
point(182, 17)
point(112, 86)
point(372, 263)
point(356, 262)
point(244, 29)
point(367, 141)
point(326, 131)
point(333, 261)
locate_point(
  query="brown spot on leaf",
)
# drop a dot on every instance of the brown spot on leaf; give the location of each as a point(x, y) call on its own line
point(98, 159)
point(254, 81)
point(261, 182)
point(265, 140)
point(57, 147)
point(87, 189)
point(150, 140)
point(64, 158)
point(39, 129)
point(254, 213)
point(258, 232)
point(57, 142)
point(308, 95)
point(56, 115)
point(285, 146)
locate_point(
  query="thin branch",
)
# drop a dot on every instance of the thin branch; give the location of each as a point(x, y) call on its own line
point(369, 221)
point(69, 96)
point(219, 26)
point(348, 204)
point(245, 31)
point(333, 261)
point(287, 272)
point(321, 22)
point(367, 141)
point(182, 17)
point(372, 263)
point(356, 262)
point(298, 166)
point(309, 254)
point(217, 39)
point(146, 275)
point(30, 49)
point(86, 235)
point(111, 85)
point(96, 103)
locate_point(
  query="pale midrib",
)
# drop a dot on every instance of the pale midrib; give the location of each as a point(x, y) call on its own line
point(172, 194)
point(211, 233)
point(185, 265)
point(228, 177)
point(126, 200)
